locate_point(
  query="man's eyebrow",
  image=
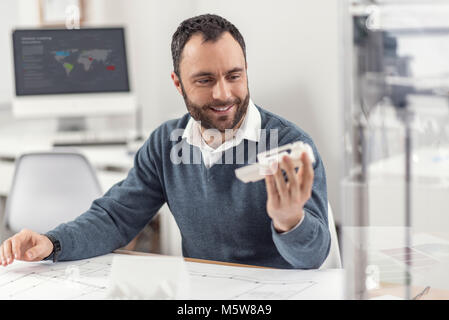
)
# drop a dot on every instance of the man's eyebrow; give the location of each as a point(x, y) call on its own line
point(202, 74)
point(205, 73)
point(237, 69)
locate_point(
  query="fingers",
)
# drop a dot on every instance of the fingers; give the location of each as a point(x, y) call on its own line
point(7, 255)
point(281, 185)
point(289, 167)
point(15, 244)
point(2, 254)
point(11, 249)
point(282, 188)
point(18, 241)
point(307, 175)
point(271, 189)
point(300, 182)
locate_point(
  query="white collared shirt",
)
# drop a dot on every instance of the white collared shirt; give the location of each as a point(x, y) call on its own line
point(250, 130)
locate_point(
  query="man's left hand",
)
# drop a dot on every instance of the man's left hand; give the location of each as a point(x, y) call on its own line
point(286, 200)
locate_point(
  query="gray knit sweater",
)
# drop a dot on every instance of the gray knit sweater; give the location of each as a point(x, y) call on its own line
point(220, 217)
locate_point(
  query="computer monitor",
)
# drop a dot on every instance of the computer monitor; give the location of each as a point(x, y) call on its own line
point(71, 73)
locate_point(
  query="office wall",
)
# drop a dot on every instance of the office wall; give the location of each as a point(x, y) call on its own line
point(8, 18)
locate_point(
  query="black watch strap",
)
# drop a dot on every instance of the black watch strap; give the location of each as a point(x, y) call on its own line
point(54, 255)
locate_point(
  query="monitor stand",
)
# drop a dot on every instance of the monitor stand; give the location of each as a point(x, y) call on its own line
point(72, 124)
point(72, 131)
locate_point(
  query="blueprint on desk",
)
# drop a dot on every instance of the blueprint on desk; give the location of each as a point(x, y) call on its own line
point(83, 279)
point(88, 279)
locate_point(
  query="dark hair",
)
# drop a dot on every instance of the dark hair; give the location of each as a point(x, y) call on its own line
point(210, 26)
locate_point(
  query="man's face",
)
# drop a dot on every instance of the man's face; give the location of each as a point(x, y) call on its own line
point(213, 81)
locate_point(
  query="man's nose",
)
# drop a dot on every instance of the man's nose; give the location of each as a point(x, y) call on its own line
point(221, 91)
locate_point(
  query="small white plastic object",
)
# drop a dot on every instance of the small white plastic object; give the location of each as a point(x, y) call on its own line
point(259, 170)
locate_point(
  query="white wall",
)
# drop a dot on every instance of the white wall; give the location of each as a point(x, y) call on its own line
point(8, 18)
point(151, 25)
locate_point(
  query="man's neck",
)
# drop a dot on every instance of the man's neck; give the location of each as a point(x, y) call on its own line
point(213, 141)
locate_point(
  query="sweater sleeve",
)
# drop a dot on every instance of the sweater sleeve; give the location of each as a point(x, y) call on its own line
point(116, 218)
point(308, 245)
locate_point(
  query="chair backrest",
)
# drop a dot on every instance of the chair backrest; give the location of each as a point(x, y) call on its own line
point(50, 188)
point(333, 259)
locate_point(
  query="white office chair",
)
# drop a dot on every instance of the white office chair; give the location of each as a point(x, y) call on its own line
point(333, 260)
point(49, 188)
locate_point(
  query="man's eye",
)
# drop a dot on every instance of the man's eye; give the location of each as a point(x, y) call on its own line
point(235, 77)
point(203, 81)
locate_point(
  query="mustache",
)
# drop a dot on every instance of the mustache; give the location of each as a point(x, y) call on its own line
point(219, 103)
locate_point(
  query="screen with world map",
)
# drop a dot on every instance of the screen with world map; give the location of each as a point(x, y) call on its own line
point(52, 61)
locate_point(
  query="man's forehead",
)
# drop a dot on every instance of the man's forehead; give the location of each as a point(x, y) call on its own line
point(225, 52)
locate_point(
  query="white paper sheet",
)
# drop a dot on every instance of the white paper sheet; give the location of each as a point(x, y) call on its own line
point(83, 279)
point(210, 281)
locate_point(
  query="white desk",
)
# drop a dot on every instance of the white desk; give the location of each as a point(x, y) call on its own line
point(88, 279)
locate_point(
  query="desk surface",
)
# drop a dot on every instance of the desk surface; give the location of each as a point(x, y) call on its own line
point(88, 279)
point(385, 289)
point(93, 279)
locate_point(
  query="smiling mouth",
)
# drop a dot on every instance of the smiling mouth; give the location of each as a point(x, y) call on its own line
point(222, 110)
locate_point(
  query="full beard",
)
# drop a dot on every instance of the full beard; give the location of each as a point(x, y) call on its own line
point(199, 113)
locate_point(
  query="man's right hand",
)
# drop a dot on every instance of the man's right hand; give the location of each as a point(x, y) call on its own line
point(26, 245)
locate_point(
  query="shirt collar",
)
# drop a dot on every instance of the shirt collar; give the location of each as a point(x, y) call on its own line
point(250, 129)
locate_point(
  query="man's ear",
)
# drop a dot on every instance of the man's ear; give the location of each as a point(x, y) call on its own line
point(176, 82)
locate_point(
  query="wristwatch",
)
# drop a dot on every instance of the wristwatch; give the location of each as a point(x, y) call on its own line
point(54, 255)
